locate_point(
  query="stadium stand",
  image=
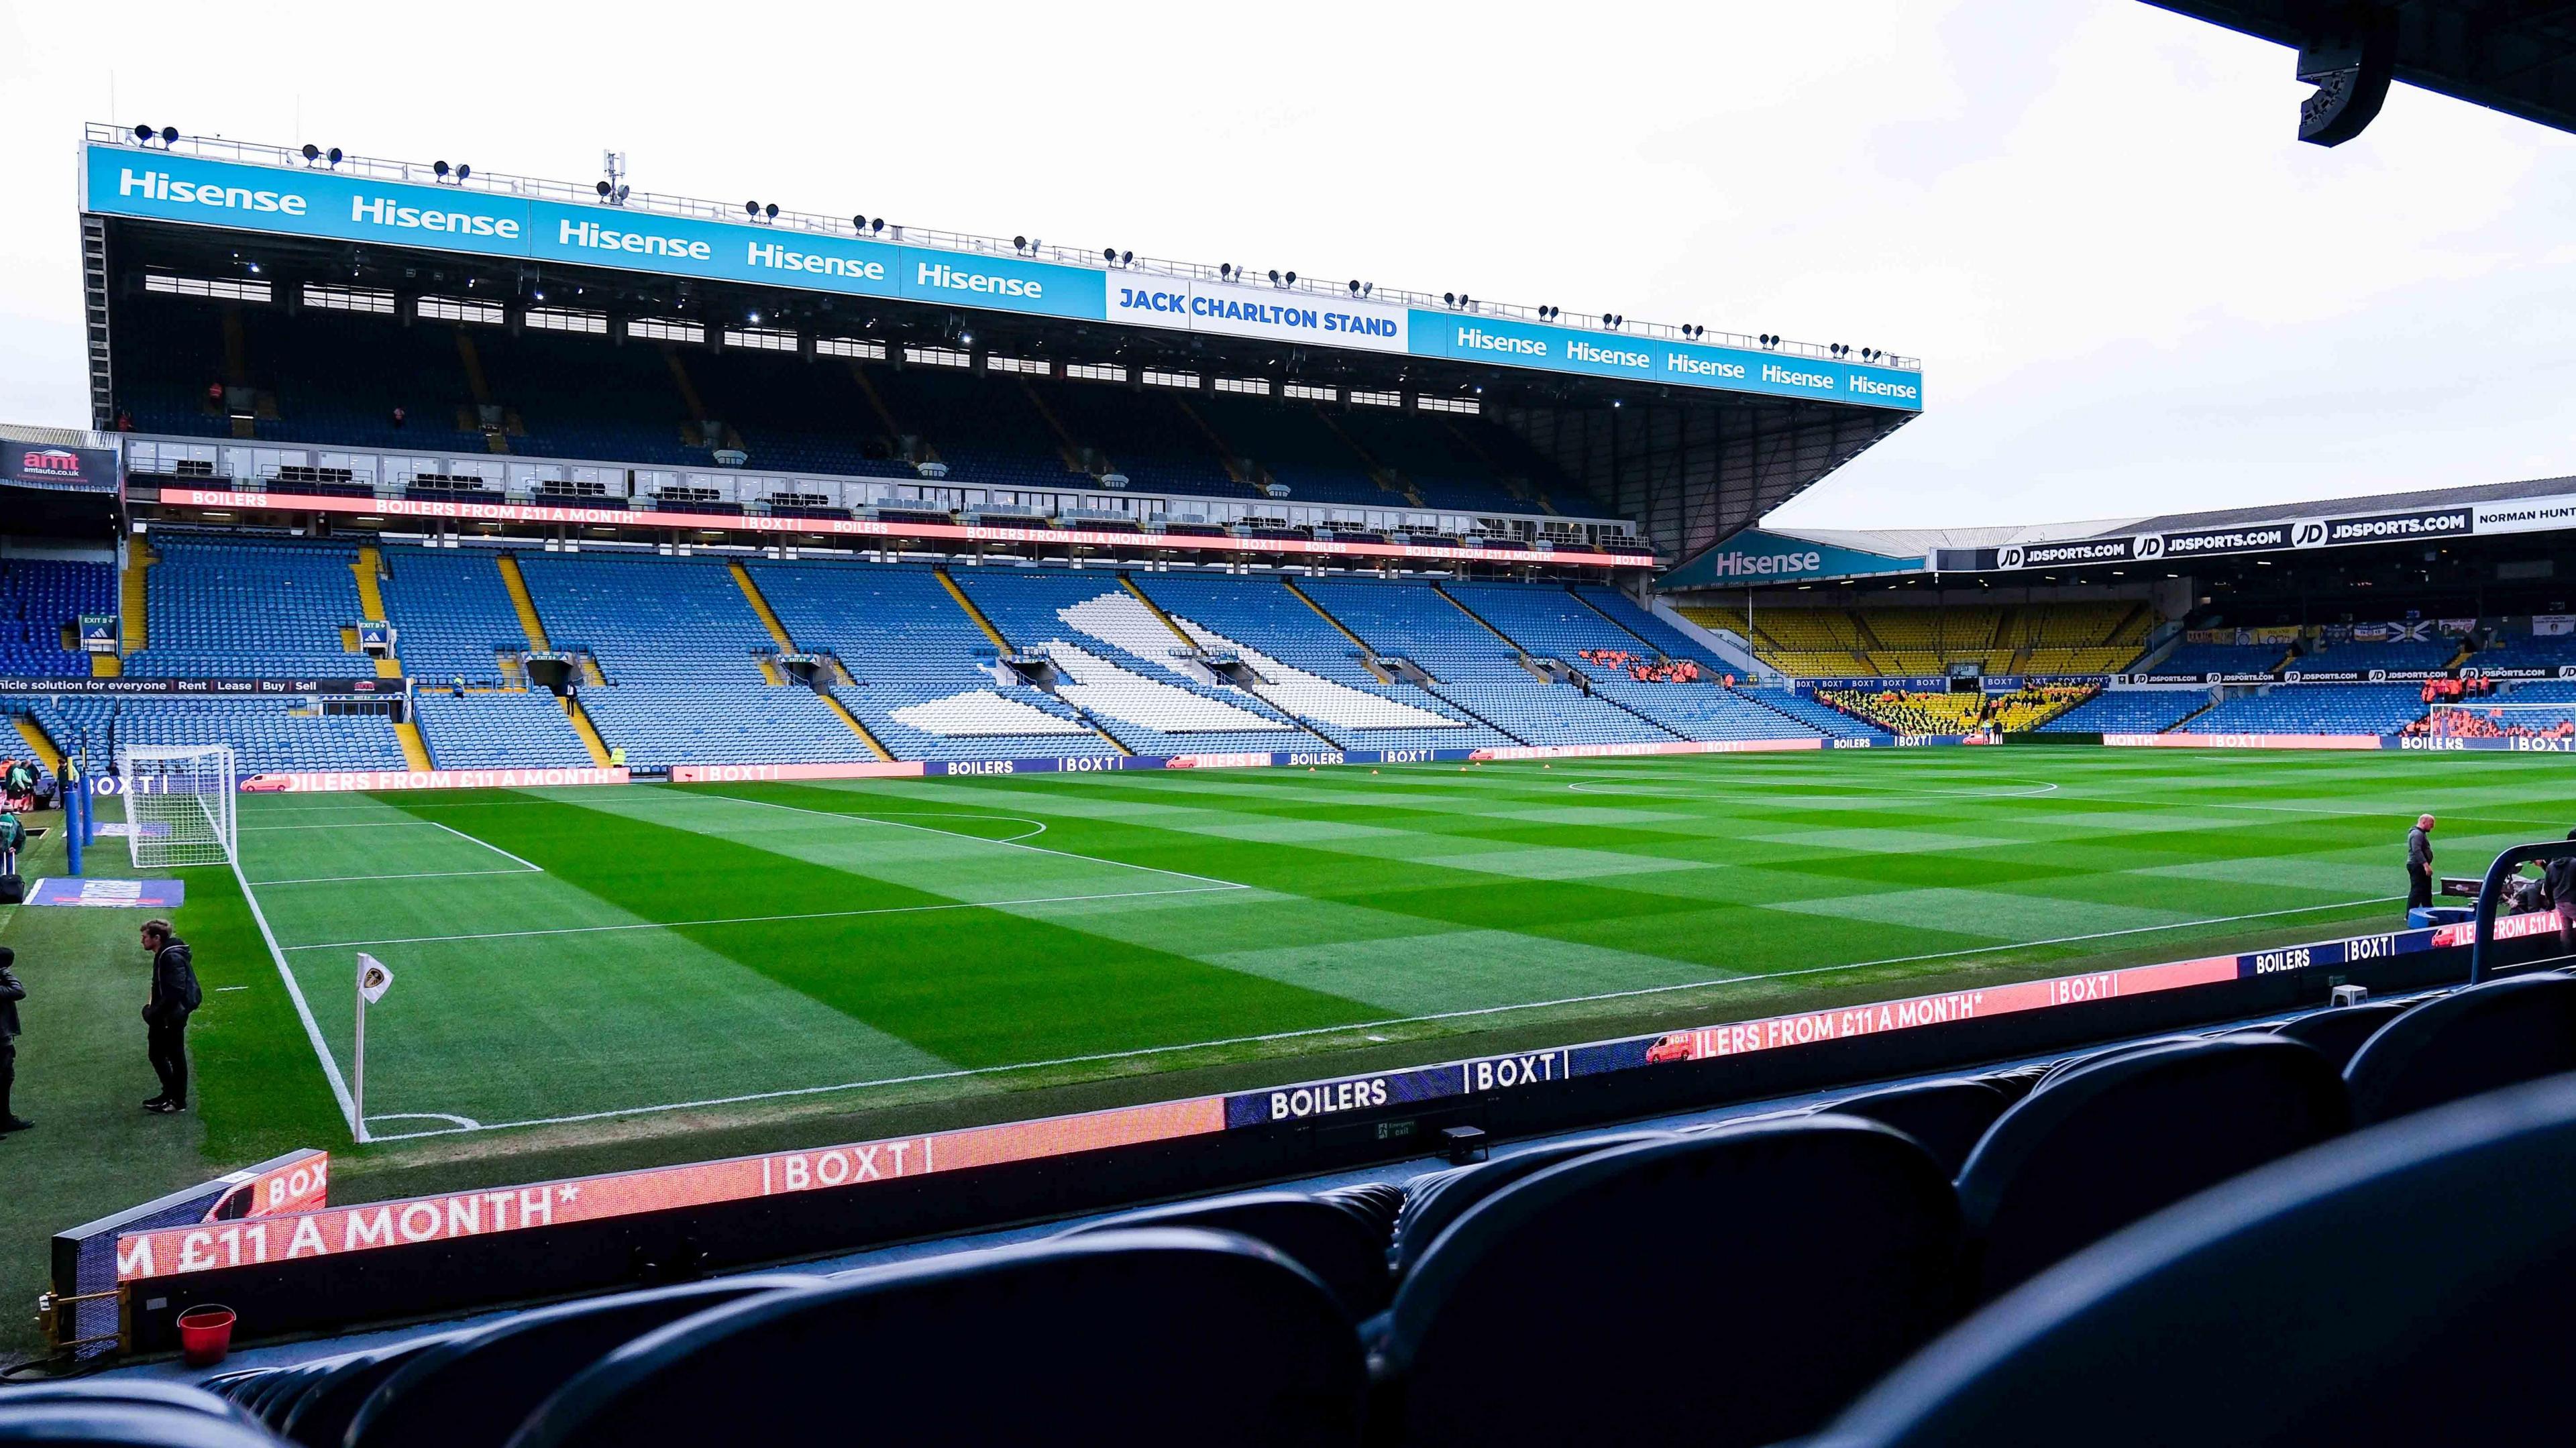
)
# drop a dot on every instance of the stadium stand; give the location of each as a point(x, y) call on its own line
point(1117, 657)
point(1288, 642)
point(1474, 668)
point(39, 598)
point(452, 614)
point(267, 734)
point(2129, 711)
point(2313, 709)
point(676, 642)
point(2044, 639)
point(512, 729)
point(922, 673)
point(1824, 718)
point(2517, 648)
point(2193, 658)
point(245, 609)
point(337, 379)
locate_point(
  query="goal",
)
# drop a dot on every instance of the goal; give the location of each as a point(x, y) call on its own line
point(2500, 719)
point(179, 804)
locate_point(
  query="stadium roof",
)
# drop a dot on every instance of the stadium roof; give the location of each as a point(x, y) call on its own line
point(2515, 56)
point(1691, 439)
point(1803, 555)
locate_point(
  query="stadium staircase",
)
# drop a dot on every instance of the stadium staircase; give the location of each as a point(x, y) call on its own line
point(1429, 684)
point(985, 623)
point(38, 742)
point(524, 602)
point(134, 598)
point(368, 568)
point(773, 671)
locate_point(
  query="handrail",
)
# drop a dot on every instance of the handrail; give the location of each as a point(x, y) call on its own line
point(568, 193)
point(2491, 893)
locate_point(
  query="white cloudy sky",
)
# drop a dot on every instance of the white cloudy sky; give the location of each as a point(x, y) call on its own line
point(2132, 288)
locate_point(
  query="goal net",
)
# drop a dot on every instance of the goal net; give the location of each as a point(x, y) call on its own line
point(2499, 719)
point(179, 804)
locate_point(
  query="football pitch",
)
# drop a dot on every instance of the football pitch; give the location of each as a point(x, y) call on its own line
point(615, 954)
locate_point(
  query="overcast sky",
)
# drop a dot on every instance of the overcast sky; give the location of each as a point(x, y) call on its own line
point(2133, 290)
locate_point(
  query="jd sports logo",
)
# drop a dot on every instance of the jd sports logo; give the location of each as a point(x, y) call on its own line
point(2008, 558)
point(2309, 535)
point(2151, 545)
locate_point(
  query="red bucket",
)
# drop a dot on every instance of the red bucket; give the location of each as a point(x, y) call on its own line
point(205, 1335)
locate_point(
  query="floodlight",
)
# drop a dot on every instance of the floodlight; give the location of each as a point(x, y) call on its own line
point(312, 152)
point(169, 135)
point(143, 135)
point(463, 170)
point(439, 169)
point(751, 208)
point(335, 155)
point(603, 190)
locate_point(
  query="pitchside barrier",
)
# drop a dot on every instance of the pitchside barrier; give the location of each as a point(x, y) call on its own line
point(322, 1267)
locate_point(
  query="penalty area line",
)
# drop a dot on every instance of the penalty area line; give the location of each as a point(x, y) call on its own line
point(969, 1072)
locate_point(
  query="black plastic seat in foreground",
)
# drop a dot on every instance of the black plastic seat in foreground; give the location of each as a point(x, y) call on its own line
point(2099, 1147)
point(1730, 1288)
point(1163, 1335)
point(2405, 1285)
point(1334, 1240)
point(2337, 1034)
point(1433, 1205)
point(318, 1416)
point(130, 1391)
point(123, 1424)
point(1947, 1117)
point(2488, 1036)
point(474, 1389)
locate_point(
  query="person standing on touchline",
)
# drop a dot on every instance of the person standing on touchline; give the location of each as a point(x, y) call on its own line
point(175, 995)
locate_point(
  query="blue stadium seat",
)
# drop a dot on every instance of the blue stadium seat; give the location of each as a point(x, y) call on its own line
point(2403, 1285)
point(1156, 1336)
point(2117, 1138)
point(473, 1389)
point(2487, 1036)
point(2128, 711)
point(1728, 1288)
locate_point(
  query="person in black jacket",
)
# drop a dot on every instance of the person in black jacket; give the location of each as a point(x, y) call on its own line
point(2558, 879)
point(10, 994)
point(2419, 863)
point(165, 1014)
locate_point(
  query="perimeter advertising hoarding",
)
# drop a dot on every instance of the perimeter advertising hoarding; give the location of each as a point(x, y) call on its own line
point(84, 1257)
point(210, 688)
point(163, 186)
point(172, 1251)
point(857, 528)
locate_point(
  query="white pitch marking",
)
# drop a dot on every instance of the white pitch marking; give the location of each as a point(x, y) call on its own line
point(495, 849)
point(420, 875)
point(1364, 1026)
point(295, 993)
point(1216, 887)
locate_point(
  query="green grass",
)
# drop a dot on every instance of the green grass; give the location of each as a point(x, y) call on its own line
point(595, 978)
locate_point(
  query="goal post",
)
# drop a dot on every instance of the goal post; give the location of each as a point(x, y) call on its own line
point(2501, 719)
point(179, 804)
